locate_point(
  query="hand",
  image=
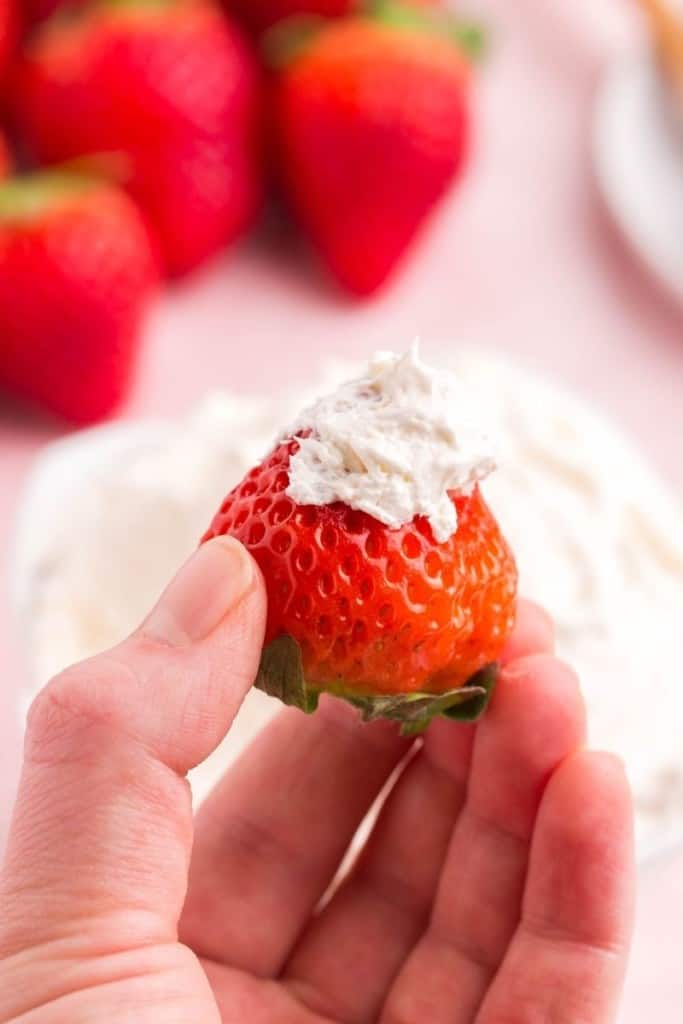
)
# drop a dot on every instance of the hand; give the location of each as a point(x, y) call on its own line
point(496, 885)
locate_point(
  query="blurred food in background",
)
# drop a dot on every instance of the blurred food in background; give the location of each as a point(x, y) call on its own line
point(175, 90)
point(361, 123)
point(373, 127)
point(5, 159)
point(638, 144)
point(76, 273)
point(8, 32)
point(666, 21)
point(259, 15)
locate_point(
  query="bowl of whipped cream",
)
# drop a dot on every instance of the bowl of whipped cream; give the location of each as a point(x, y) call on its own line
point(109, 514)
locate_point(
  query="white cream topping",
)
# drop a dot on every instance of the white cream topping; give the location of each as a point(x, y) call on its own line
point(391, 443)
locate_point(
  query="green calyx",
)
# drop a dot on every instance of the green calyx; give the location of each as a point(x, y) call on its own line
point(288, 39)
point(281, 675)
point(29, 197)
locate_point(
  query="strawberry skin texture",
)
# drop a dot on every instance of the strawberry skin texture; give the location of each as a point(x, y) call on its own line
point(373, 127)
point(375, 611)
point(74, 286)
point(173, 87)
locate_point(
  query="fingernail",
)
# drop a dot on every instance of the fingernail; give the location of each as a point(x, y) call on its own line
point(207, 588)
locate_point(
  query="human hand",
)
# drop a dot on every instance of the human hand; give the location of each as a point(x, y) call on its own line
point(496, 885)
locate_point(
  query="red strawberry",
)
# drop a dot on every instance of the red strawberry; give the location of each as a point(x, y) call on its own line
point(368, 612)
point(35, 11)
point(7, 34)
point(172, 86)
point(373, 123)
point(5, 160)
point(261, 14)
point(76, 271)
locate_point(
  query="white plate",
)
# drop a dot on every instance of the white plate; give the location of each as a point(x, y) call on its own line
point(638, 155)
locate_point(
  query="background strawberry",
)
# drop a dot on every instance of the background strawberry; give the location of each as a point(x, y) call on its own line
point(261, 14)
point(173, 86)
point(8, 29)
point(374, 611)
point(373, 126)
point(34, 11)
point(76, 271)
point(5, 160)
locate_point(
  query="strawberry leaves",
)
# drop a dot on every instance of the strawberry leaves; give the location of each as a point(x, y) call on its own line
point(281, 674)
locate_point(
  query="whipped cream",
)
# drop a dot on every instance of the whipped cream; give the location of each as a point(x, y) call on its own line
point(391, 443)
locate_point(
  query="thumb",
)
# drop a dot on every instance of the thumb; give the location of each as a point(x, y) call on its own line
point(103, 822)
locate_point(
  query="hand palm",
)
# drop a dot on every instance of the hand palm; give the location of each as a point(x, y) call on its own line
point(495, 884)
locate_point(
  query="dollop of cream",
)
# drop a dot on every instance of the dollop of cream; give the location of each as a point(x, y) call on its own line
point(392, 443)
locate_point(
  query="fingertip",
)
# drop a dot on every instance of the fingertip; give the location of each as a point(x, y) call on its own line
point(591, 793)
point(534, 632)
point(542, 690)
point(212, 583)
point(585, 840)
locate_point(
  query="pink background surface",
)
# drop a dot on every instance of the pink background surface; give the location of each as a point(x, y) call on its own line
point(522, 259)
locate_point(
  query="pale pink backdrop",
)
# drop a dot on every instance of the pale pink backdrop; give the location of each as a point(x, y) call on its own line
point(523, 259)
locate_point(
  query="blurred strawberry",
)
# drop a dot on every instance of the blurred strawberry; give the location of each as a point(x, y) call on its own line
point(261, 14)
point(5, 160)
point(7, 34)
point(34, 11)
point(172, 86)
point(76, 273)
point(373, 124)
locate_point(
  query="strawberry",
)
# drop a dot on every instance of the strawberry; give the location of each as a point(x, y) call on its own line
point(171, 86)
point(401, 625)
point(7, 34)
point(5, 160)
point(373, 125)
point(259, 15)
point(76, 271)
point(35, 11)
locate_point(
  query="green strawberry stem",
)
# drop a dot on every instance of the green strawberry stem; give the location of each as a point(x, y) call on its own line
point(281, 675)
point(27, 197)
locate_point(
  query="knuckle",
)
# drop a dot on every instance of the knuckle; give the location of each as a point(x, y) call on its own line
point(79, 701)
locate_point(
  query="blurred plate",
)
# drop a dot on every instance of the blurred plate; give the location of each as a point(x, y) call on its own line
point(638, 156)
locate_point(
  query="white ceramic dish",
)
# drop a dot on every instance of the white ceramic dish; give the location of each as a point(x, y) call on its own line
point(638, 157)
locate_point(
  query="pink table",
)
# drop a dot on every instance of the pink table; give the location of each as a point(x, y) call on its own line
point(522, 259)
